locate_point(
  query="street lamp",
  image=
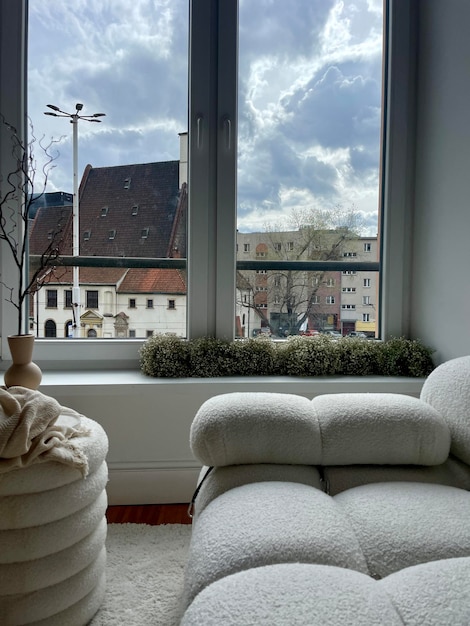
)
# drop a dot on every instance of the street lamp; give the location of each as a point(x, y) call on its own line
point(74, 117)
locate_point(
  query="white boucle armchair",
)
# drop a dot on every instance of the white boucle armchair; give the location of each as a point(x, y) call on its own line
point(344, 509)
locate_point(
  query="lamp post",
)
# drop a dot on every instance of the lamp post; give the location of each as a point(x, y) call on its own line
point(74, 117)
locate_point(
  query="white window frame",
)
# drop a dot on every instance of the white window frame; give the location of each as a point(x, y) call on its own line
point(212, 178)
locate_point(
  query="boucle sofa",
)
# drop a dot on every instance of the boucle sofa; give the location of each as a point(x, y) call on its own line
point(345, 509)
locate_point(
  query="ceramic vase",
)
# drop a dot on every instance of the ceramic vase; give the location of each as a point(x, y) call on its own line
point(22, 372)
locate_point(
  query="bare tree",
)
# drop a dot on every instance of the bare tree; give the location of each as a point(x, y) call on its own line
point(315, 234)
point(18, 193)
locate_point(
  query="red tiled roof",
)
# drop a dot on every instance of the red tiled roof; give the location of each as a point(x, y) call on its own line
point(153, 281)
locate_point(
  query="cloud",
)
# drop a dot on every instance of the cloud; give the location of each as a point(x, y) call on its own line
point(309, 94)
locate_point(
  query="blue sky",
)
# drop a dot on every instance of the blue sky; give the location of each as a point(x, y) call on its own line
point(310, 94)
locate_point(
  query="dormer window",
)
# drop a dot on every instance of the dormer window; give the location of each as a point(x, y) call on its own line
point(87, 235)
point(127, 183)
point(112, 234)
point(50, 234)
point(135, 209)
point(144, 233)
point(104, 211)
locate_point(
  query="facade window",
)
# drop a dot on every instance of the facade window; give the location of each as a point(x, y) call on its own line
point(277, 246)
point(135, 209)
point(261, 306)
point(132, 303)
point(349, 273)
point(366, 282)
point(50, 329)
point(145, 233)
point(367, 247)
point(277, 299)
point(112, 234)
point(330, 299)
point(348, 307)
point(67, 299)
point(349, 254)
point(348, 289)
point(315, 299)
point(51, 299)
point(87, 235)
point(260, 254)
point(149, 333)
point(366, 317)
point(92, 299)
point(149, 303)
point(246, 247)
point(132, 334)
point(261, 271)
point(172, 304)
point(104, 211)
point(366, 300)
point(290, 246)
point(330, 282)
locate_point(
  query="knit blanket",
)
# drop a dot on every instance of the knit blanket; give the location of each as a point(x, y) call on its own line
point(35, 428)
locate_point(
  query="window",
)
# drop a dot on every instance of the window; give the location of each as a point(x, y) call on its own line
point(104, 211)
point(145, 233)
point(149, 333)
point(366, 300)
point(92, 299)
point(315, 299)
point(330, 300)
point(50, 328)
point(349, 254)
point(51, 298)
point(132, 303)
point(67, 299)
point(172, 304)
point(290, 246)
point(349, 273)
point(366, 317)
point(112, 234)
point(348, 289)
point(348, 307)
point(277, 246)
point(261, 271)
point(127, 183)
point(50, 234)
point(132, 333)
point(330, 282)
point(246, 247)
point(212, 256)
point(149, 303)
point(87, 235)
point(261, 254)
point(367, 247)
point(366, 282)
point(135, 209)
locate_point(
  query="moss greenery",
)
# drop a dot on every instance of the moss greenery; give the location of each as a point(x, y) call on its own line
point(168, 356)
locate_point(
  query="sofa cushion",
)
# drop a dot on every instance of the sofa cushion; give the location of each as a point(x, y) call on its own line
point(380, 428)
point(221, 479)
point(447, 389)
point(403, 524)
point(293, 594)
point(433, 594)
point(237, 428)
point(265, 523)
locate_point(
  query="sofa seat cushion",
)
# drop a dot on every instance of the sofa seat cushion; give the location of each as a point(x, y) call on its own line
point(221, 479)
point(433, 594)
point(266, 523)
point(453, 473)
point(403, 524)
point(293, 594)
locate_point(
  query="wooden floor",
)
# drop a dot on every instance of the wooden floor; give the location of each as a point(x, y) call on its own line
point(152, 514)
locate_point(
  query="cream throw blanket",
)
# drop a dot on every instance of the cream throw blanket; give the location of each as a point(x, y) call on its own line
point(31, 431)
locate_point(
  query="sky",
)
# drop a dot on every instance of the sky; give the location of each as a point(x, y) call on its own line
point(309, 96)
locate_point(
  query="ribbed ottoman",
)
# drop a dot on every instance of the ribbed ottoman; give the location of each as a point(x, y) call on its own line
point(52, 538)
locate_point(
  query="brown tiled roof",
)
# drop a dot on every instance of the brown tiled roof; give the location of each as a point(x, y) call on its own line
point(153, 281)
point(138, 202)
point(87, 276)
point(55, 222)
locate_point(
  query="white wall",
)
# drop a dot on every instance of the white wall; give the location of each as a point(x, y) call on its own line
point(440, 294)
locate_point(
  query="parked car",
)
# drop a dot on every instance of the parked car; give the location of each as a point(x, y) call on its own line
point(310, 333)
point(357, 335)
point(333, 333)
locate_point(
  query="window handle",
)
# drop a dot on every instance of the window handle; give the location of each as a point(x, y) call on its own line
point(199, 121)
point(227, 122)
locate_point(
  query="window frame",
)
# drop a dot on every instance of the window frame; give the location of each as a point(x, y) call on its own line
point(212, 178)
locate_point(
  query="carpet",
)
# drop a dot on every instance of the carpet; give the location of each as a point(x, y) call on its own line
point(145, 569)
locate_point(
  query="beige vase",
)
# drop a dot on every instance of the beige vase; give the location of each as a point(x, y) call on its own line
point(23, 372)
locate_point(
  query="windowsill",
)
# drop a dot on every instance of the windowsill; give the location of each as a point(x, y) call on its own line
point(123, 380)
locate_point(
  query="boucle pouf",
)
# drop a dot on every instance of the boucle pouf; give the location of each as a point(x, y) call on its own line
point(52, 538)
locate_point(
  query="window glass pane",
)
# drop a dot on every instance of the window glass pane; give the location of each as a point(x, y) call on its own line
point(310, 92)
point(128, 61)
